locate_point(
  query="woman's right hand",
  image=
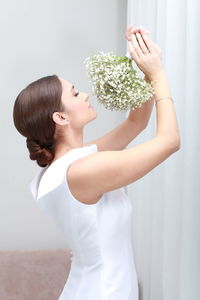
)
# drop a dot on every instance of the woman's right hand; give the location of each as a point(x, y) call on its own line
point(146, 55)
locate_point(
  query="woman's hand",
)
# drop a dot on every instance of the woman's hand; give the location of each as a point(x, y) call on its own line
point(142, 31)
point(133, 30)
point(138, 33)
point(141, 115)
point(146, 54)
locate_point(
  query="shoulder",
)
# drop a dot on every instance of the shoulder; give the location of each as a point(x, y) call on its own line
point(81, 189)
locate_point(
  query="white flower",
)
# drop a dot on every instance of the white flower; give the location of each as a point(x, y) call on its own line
point(115, 83)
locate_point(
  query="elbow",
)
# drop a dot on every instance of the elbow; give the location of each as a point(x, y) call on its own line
point(177, 144)
point(177, 147)
point(173, 144)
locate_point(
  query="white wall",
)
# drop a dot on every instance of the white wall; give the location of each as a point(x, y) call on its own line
point(40, 38)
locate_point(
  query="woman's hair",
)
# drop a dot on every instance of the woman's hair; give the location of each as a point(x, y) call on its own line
point(32, 115)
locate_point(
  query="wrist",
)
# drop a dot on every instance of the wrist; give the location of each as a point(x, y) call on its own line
point(158, 76)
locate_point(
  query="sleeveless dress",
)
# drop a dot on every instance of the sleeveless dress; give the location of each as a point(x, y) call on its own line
point(98, 235)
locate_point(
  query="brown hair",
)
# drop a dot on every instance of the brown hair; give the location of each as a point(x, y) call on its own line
point(32, 114)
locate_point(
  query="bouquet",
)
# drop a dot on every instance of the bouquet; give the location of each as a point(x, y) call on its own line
point(115, 83)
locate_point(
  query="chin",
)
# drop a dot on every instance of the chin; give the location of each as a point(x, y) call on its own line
point(94, 116)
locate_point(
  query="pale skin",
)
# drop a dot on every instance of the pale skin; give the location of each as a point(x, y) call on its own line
point(112, 166)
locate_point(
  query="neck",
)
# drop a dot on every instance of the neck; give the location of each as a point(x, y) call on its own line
point(72, 139)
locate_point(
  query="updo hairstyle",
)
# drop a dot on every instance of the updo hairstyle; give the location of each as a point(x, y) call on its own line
point(32, 115)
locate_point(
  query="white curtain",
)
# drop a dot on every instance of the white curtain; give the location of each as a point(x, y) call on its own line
point(166, 202)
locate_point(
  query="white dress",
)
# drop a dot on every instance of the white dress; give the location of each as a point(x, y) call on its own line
point(98, 235)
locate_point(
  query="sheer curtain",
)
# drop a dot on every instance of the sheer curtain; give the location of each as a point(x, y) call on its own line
point(166, 202)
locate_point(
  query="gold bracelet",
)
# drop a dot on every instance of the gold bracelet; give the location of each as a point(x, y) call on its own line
point(164, 98)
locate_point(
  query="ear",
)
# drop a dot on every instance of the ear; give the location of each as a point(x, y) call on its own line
point(60, 118)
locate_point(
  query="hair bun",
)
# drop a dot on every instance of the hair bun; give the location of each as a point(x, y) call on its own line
point(42, 155)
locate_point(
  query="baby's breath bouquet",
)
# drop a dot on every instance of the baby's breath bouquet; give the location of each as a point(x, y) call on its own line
point(115, 83)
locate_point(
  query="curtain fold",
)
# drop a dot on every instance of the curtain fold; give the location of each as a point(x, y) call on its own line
point(166, 202)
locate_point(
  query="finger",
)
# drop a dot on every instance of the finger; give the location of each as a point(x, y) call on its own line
point(141, 42)
point(144, 29)
point(129, 30)
point(137, 29)
point(132, 51)
point(156, 47)
point(149, 43)
point(136, 46)
point(141, 30)
point(133, 30)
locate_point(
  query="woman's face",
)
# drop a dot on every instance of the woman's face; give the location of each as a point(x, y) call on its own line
point(77, 107)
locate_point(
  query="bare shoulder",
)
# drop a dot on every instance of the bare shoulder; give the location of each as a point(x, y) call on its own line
point(81, 191)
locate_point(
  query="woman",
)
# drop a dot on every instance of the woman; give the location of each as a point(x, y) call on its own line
point(82, 185)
